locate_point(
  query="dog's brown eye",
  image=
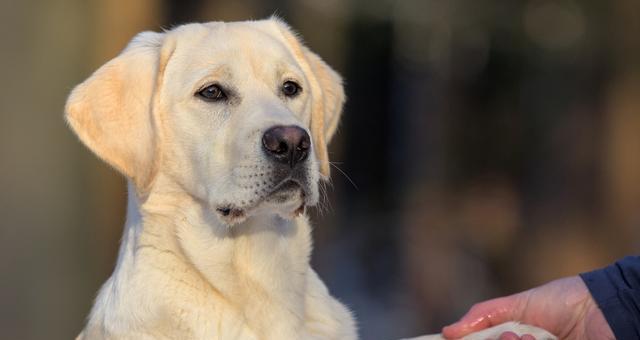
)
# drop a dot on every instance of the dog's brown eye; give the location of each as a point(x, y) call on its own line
point(290, 88)
point(212, 93)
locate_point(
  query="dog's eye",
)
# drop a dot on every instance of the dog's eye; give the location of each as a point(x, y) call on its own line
point(290, 88)
point(212, 93)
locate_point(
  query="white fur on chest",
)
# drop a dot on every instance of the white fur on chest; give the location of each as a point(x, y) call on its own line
point(179, 276)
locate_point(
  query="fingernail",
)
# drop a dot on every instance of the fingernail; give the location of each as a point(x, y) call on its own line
point(446, 330)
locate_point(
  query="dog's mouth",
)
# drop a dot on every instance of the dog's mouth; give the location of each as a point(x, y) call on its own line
point(285, 191)
point(289, 195)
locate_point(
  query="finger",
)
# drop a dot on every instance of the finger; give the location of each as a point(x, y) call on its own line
point(528, 337)
point(509, 336)
point(485, 315)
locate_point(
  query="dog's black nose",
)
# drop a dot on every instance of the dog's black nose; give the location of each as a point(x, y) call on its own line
point(287, 144)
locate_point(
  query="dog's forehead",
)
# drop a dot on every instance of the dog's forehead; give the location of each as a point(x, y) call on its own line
point(238, 45)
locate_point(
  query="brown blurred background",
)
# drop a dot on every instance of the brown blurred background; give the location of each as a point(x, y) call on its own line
point(493, 145)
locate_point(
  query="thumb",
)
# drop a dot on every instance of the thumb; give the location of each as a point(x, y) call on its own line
point(485, 315)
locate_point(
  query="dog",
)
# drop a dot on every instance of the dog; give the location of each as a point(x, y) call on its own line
point(221, 131)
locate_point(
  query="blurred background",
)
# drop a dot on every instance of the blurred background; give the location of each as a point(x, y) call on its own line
point(492, 146)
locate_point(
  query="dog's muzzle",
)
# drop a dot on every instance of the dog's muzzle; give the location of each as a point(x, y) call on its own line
point(287, 187)
point(288, 148)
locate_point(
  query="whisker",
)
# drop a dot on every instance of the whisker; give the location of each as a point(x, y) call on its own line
point(345, 175)
point(324, 203)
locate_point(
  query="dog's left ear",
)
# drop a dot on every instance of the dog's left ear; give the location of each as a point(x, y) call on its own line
point(327, 95)
point(111, 111)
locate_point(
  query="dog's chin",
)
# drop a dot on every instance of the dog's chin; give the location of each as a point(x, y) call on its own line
point(288, 200)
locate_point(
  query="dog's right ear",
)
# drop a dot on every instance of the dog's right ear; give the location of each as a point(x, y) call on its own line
point(111, 111)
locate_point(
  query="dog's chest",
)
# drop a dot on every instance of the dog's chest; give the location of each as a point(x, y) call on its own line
point(255, 283)
point(178, 303)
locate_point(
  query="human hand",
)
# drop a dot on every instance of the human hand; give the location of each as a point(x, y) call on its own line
point(563, 307)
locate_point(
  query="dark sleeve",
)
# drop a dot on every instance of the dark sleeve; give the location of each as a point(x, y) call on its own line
point(616, 290)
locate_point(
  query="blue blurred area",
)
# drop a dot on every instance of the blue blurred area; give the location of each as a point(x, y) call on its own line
point(486, 147)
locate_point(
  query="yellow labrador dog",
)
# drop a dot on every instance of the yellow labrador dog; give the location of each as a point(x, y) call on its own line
point(221, 130)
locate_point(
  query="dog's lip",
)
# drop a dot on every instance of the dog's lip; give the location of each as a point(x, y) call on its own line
point(287, 184)
point(227, 210)
point(232, 212)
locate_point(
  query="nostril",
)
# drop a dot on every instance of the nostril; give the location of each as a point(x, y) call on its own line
point(305, 143)
point(273, 143)
point(282, 148)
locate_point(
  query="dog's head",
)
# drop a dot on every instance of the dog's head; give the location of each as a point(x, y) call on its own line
point(238, 115)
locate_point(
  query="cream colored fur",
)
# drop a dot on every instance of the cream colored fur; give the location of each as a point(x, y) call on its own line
point(185, 270)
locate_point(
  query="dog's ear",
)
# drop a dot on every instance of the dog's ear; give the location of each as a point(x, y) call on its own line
point(111, 111)
point(327, 95)
point(326, 111)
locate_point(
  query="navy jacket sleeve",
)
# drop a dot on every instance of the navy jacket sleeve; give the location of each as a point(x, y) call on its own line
point(616, 290)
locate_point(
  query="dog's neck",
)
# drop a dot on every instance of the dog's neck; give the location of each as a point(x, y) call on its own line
point(265, 255)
